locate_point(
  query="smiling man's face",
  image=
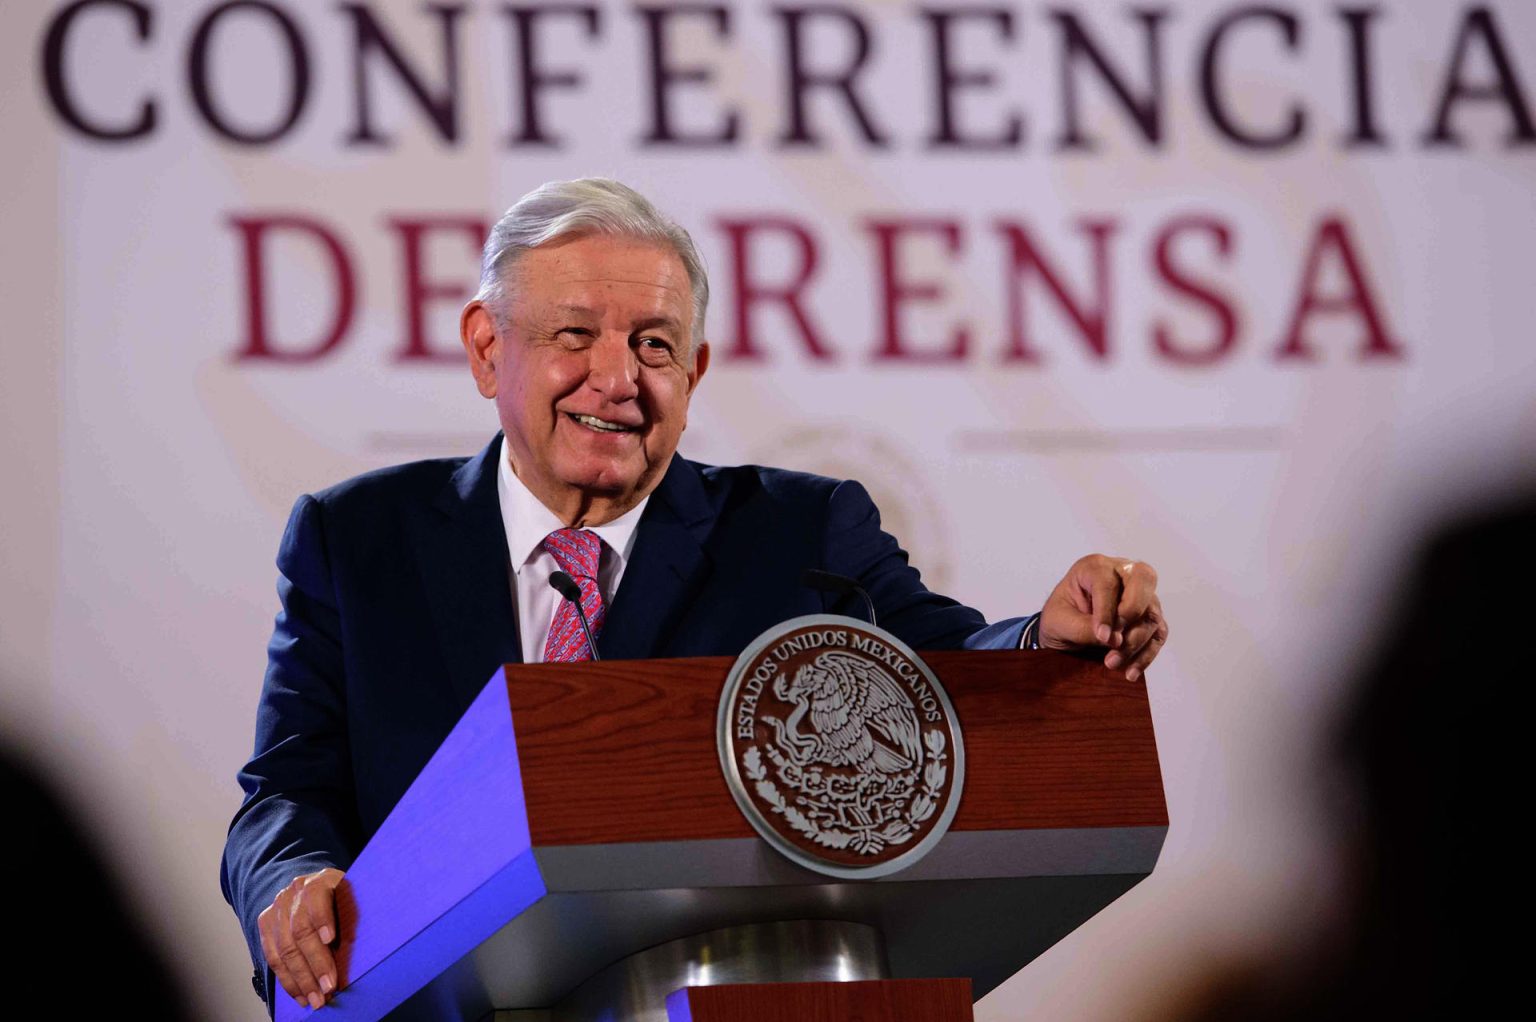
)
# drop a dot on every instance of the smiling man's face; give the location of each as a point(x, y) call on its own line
point(591, 372)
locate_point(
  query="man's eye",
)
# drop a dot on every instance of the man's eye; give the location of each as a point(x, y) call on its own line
point(656, 345)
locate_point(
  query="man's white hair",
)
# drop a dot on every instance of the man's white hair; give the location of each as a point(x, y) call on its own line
point(589, 205)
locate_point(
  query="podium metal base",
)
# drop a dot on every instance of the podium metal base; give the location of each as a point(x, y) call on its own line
point(635, 989)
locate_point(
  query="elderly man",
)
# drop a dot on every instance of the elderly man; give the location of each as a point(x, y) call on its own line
point(403, 590)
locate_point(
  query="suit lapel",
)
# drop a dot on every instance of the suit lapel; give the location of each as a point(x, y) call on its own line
point(464, 567)
point(667, 565)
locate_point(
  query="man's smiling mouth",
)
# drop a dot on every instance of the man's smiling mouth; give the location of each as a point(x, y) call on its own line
point(601, 425)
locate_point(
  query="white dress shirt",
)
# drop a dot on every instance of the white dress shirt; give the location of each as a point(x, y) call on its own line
point(527, 522)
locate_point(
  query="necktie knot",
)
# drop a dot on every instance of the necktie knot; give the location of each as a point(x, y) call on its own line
point(578, 552)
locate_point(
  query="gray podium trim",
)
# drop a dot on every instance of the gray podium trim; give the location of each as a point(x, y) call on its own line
point(986, 929)
point(749, 862)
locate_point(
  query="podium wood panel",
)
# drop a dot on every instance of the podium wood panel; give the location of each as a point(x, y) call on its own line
point(892, 1000)
point(611, 755)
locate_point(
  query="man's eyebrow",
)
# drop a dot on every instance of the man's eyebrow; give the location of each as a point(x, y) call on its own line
point(659, 321)
point(650, 323)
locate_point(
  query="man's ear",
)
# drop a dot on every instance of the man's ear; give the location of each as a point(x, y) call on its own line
point(482, 343)
point(700, 364)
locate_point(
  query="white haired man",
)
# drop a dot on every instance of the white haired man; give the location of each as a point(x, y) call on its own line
point(404, 590)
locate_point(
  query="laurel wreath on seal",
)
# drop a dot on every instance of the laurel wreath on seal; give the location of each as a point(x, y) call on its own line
point(866, 841)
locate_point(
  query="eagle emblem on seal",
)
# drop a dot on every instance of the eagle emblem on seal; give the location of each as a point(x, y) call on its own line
point(840, 746)
point(860, 717)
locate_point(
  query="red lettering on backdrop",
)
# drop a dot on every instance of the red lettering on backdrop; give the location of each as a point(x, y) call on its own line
point(258, 344)
point(1090, 317)
point(1357, 299)
point(896, 290)
point(1333, 286)
point(1201, 292)
point(750, 292)
point(418, 290)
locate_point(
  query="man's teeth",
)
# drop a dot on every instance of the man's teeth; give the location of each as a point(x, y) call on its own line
point(602, 424)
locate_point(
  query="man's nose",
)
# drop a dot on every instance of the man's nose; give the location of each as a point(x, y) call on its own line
point(613, 369)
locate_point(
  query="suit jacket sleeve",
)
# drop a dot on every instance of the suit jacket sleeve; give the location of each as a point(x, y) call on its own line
point(299, 814)
point(858, 547)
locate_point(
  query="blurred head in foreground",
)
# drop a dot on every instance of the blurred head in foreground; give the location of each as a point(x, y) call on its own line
point(1428, 750)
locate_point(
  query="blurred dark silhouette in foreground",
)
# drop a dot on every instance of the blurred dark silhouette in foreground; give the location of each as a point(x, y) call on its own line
point(77, 946)
point(1431, 812)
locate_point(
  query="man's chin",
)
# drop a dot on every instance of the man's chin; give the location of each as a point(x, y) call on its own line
point(613, 483)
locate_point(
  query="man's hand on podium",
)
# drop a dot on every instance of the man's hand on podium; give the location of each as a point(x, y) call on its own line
point(297, 931)
point(1109, 603)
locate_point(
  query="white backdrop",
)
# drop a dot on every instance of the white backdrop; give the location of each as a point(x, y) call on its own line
point(1273, 483)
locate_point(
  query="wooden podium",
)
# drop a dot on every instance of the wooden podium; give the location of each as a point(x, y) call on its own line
point(577, 816)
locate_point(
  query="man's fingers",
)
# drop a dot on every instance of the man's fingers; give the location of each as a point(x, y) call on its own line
point(1138, 590)
point(1103, 586)
point(321, 966)
point(1064, 626)
point(275, 960)
point(1145, 656)
point(1143, 642)
point(319, 900)
point(297, 964)
point(289, 965)
point(1136, 636)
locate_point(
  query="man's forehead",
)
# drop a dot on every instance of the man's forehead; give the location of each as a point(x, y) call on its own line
point(568, 270)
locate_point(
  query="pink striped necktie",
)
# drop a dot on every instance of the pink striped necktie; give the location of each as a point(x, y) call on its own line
point(577, 551)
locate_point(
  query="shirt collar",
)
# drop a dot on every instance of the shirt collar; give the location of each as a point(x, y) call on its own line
point(527, 521)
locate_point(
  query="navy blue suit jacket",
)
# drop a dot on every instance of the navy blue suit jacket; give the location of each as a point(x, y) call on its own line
point(397, 608)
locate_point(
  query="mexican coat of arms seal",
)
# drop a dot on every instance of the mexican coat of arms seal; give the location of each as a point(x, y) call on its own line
point(840, 746)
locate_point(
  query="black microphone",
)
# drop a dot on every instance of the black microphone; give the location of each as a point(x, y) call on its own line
point(566, 586)
point(840, 585)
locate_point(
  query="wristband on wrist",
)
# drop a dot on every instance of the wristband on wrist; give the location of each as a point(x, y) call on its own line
point(1031, 637)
